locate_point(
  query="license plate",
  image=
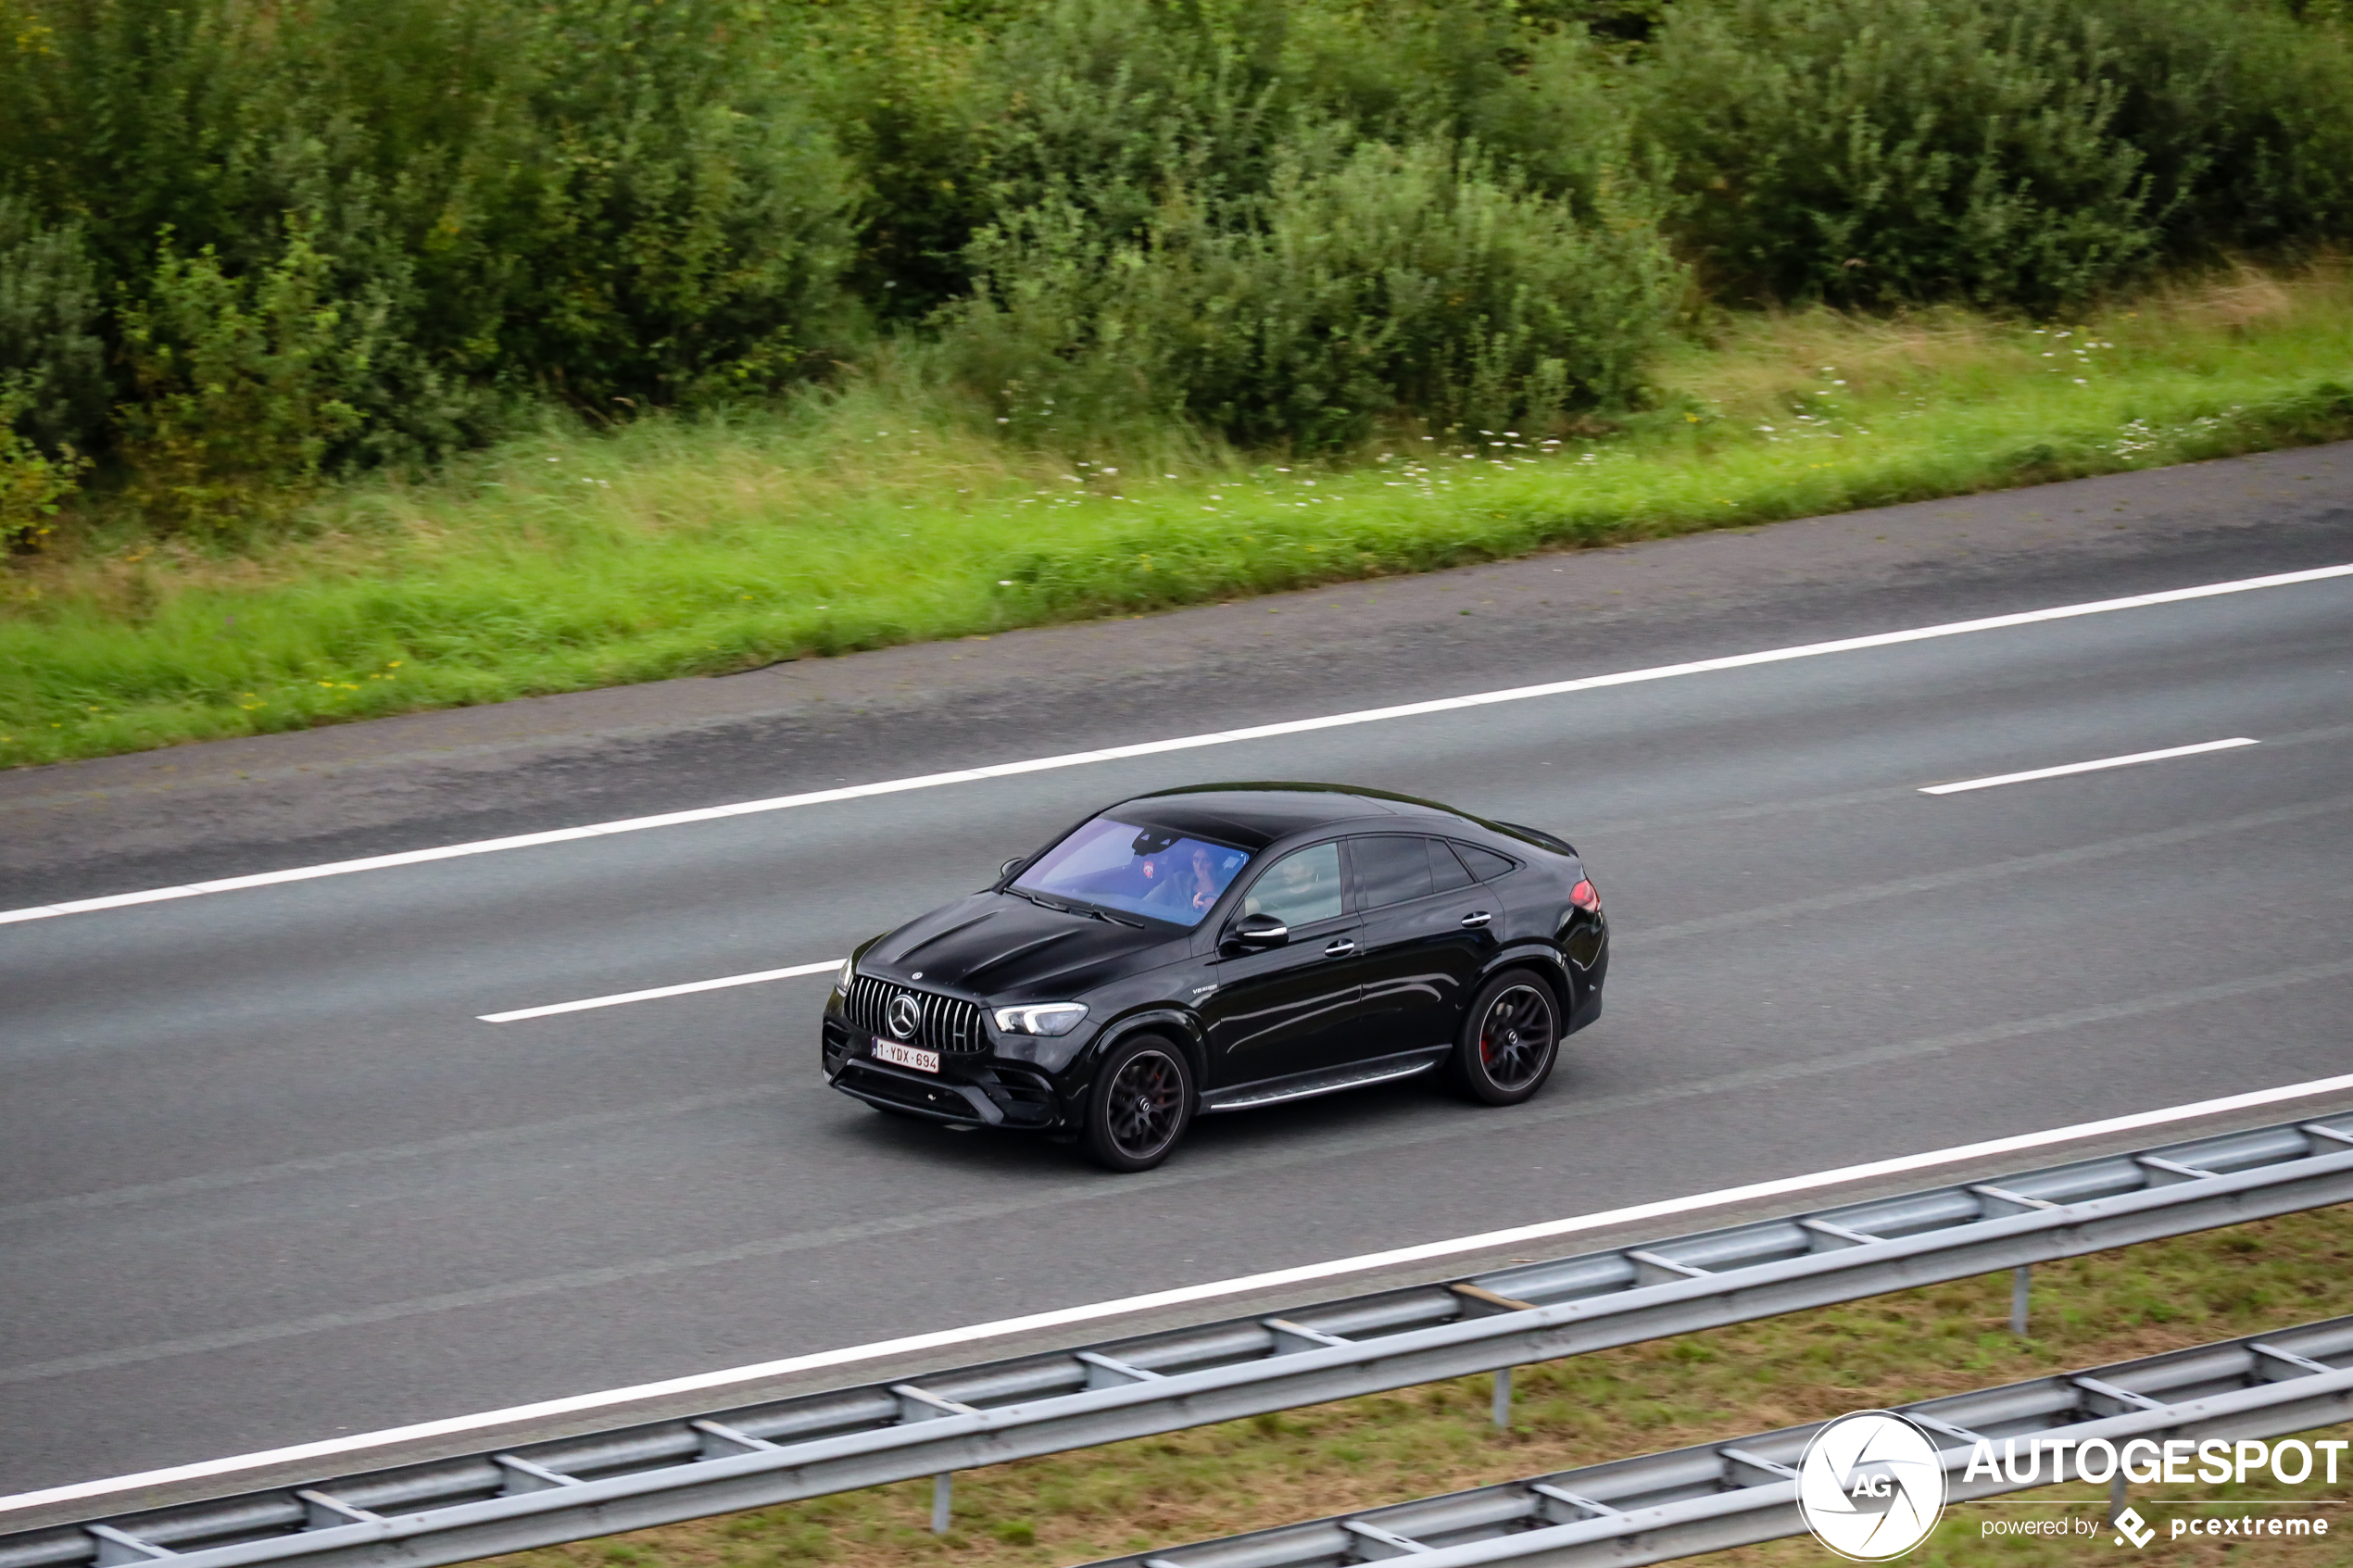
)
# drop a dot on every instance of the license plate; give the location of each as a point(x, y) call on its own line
point(906, 1056)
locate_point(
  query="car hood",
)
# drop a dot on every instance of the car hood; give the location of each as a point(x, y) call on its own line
point(994, 945)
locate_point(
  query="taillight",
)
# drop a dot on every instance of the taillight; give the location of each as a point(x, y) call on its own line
point(1584, 898)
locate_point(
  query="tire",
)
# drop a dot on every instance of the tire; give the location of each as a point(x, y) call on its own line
point(1140, 1104)
point(1511, 1037)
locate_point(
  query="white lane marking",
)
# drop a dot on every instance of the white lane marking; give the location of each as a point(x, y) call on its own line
point(1063, 1317)
point(1181, 742)
point(758, 977)
point(2089, 767)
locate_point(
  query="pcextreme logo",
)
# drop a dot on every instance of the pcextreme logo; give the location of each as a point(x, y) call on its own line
point(1870, 1485)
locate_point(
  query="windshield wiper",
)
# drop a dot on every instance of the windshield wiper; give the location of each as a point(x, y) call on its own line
point(1088, 910)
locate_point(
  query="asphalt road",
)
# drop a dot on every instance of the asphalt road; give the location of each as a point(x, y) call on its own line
point(264, 1176)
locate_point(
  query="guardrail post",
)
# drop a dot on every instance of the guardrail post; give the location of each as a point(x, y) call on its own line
point(1503, 1411)
point(2115, 1499)
point(943, 1494)
point(2021, 1286)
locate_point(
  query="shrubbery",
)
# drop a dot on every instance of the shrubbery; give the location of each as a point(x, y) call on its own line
point(244, 246)
point(411, 214)
point(2005, 151)
point(1361, 282)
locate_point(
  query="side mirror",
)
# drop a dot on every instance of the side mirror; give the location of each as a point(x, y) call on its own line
point(1010, 867)
point(1257, 930)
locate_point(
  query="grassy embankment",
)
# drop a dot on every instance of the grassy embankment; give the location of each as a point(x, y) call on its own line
point(871, 517)
point(1301, 1464)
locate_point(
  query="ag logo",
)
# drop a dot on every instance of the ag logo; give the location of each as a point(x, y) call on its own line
point(1870, 1485)
point(2133, 1527)
point(906, 1016)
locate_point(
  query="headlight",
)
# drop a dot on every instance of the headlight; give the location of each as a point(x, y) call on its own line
point(1043, 1018)
point(841, 976)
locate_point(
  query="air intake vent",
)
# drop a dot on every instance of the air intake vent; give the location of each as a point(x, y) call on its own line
point(947, 1024)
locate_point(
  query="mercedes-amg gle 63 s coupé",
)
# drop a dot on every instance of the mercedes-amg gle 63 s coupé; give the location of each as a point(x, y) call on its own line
point(1221, 947)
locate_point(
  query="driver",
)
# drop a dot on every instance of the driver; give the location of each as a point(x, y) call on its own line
point(1204, 880)
point(1185, 876)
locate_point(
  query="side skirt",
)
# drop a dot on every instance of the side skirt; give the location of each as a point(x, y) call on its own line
point(1323, 1081)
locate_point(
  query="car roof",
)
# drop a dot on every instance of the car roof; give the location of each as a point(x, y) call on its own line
point(1252, 816)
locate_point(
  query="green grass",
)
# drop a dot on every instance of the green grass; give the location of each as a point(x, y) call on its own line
point(1699, 1388)
point(878, 515)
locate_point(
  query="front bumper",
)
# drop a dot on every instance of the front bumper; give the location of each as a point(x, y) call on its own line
point(969, 1090)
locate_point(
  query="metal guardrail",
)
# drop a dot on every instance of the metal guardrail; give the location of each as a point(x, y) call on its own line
point(1744, 1490)
point(539, 1494)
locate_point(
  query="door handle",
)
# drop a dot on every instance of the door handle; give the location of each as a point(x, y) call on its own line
point(1340, 948)
point(1475, 918)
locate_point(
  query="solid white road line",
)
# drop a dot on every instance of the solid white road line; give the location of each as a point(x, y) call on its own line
point(1181, 742)
point(2088, 767)
point(660, 991)
point(1063, 1317)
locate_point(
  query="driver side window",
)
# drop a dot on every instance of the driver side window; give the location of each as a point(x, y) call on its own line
point(1300, 888)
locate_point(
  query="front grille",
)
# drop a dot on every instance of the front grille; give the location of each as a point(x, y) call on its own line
point(950, 1025)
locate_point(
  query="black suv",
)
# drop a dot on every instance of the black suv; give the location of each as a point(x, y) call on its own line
point(1222, 947)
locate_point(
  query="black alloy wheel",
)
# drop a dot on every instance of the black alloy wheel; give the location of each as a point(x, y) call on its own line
point(1141, 1105)
point(1510, 1040)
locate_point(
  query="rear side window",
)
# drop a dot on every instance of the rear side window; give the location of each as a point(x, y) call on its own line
point(1446, 873)
point(1484, 864)
point(1389, 870)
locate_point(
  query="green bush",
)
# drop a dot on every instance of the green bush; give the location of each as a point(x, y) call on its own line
point(1098, 104)
point(248, 245)
point(2245, 120)
point(52, 363)
point(2027, 152)
point(1366, 282)
point(1537, 97)
point(32, 482)
point(242, 383)
point(1869, 151)
point(1092, 105)
point(610, 202)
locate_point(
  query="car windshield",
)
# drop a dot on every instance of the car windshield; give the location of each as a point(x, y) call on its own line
point(1139, 869)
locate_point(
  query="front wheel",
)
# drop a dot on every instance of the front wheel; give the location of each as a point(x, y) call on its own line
point(1141, 1105)
point(1511, 1037)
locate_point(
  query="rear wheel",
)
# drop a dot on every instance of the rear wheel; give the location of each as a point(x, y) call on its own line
point(1511, 1038)
point(1141, 1105)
